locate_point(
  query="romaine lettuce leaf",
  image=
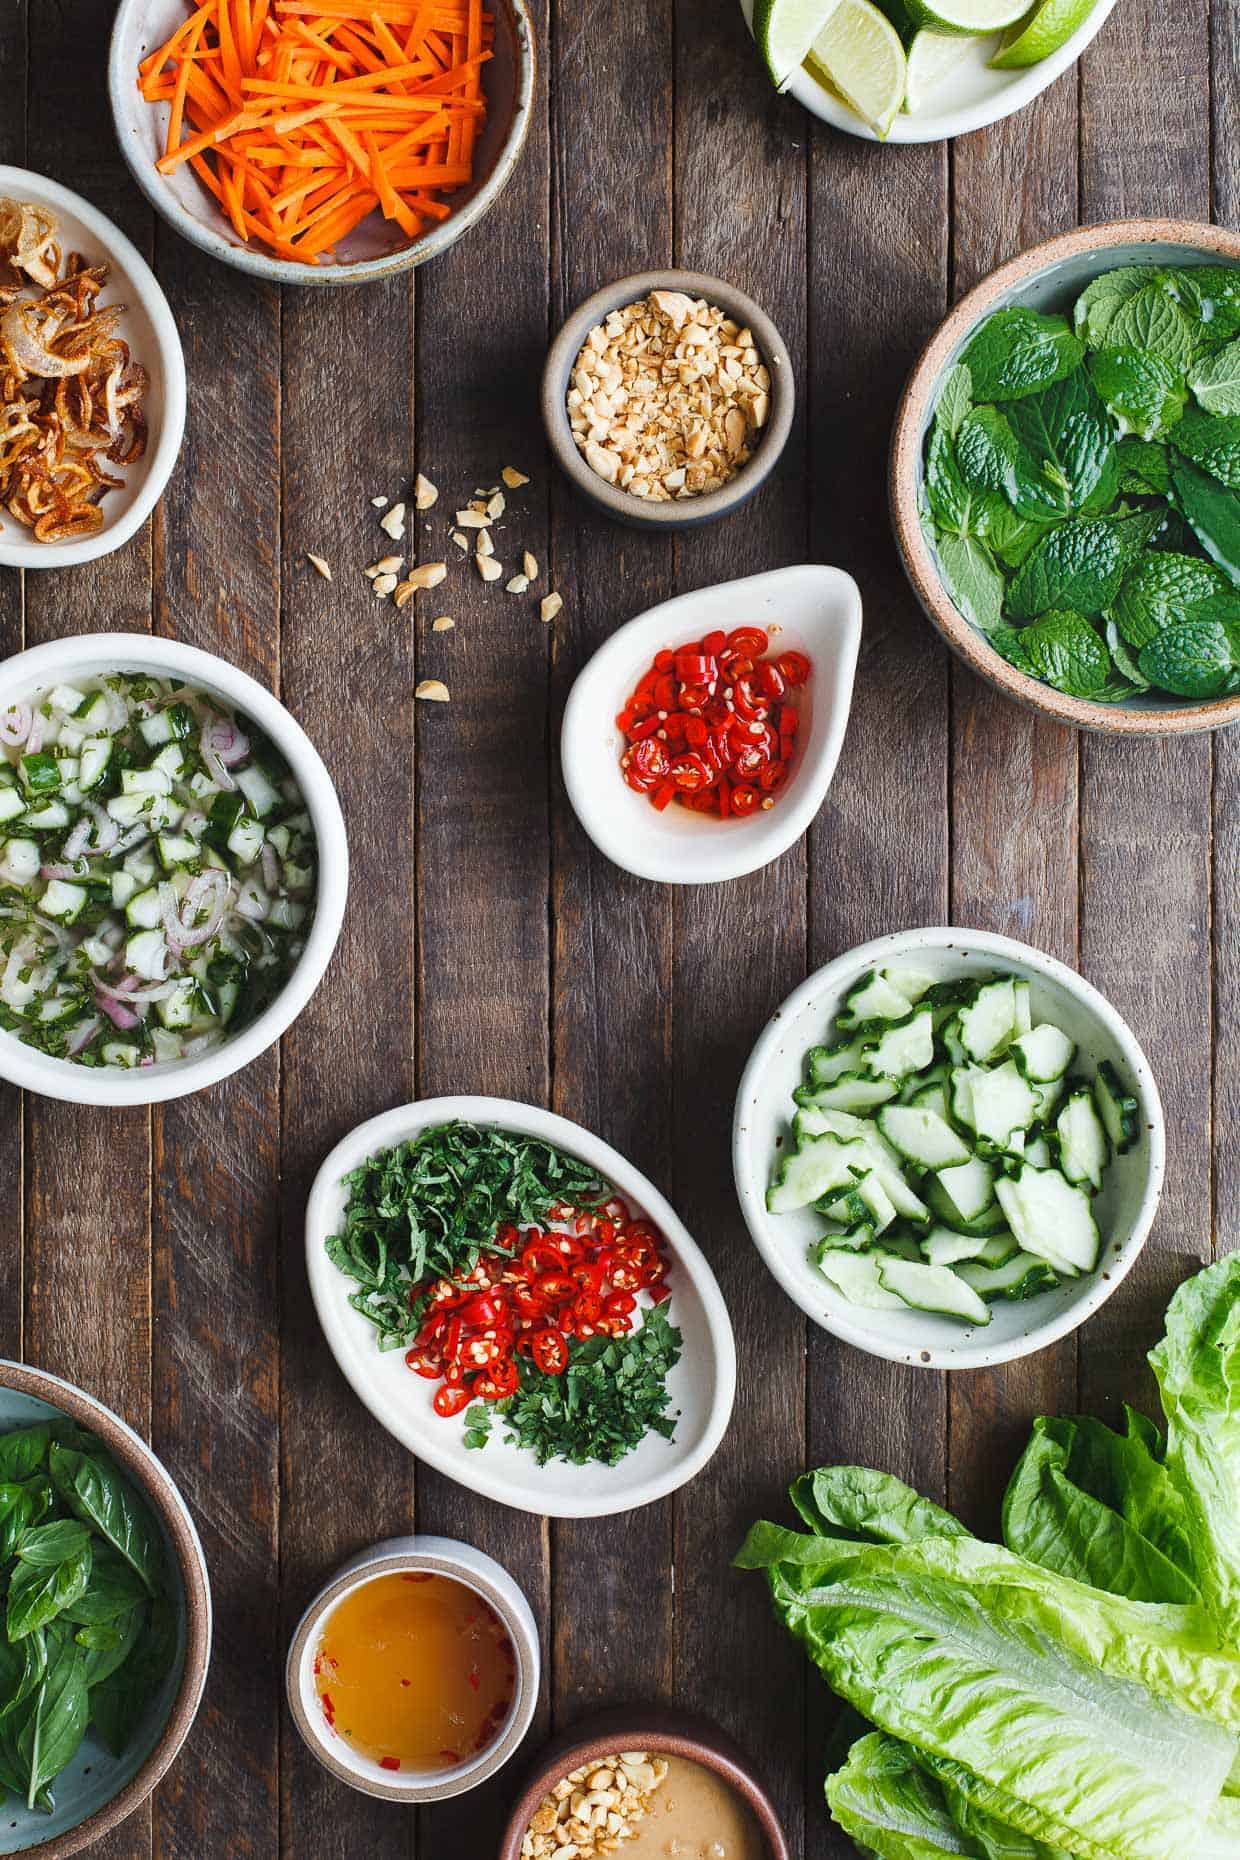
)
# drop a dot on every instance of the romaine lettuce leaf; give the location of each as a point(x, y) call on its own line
point(1198, 1369)
point(889, 1806)
point(873, 1507)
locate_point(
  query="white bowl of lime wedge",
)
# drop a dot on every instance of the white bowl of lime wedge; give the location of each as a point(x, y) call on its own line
point(920, 70)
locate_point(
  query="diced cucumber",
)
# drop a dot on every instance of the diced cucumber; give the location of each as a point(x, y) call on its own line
point(855, 1277)
point(66, 699)
point(177, 849)
point(58, 1006)
point(282, 839)
point(969, 1190)
point(200, 785)
point(94, 712)
point(146, 953)
point(1083, 1148)
point(46, 816)
point(988, 1023)
point(850, 1092)
point(825, 1064)
point(258, 791)
point(94, 762)
point(177, 1009)
point(144, 911)
point(63, 902)
point(245, 842)
point(906, 1047)
point(810, 1170)
point(171, 760)
point(121, 1053)
point(931, 1288)
point(1117, 1108)
point(21, 861)
point(11, 804)
point(942, 1247)
point(146, 781)
point(1044, 1053)
point(286, 914)
point(39, 773)
point(875, 998)
point(1051, 1218)
point(997, 1102)
point(922, 1136)
point(97, 953)
point(156, 728)
point(1022, 1276)
point(1024, 1008)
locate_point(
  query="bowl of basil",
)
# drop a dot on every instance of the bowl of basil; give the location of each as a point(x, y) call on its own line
point(1065, 478)
point(106, 1631)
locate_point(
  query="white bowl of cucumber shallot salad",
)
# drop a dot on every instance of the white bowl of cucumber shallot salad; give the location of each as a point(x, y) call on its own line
point(173, 869)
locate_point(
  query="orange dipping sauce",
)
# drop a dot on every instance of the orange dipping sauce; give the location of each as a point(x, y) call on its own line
point(416, 1672)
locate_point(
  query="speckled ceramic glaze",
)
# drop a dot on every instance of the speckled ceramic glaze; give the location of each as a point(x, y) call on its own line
point(375, 249)
point(681, 513)
point(1048, 278)
point(97, 1790)
point(657, 1728)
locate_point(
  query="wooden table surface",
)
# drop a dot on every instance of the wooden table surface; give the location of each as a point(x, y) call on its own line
point(156, 1258)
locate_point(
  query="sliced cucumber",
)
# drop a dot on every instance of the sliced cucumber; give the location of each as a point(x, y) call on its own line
point(815, 1166)
point(999, 1103)
point(942, 1247)
point(999, 1248)
point(1038, 1151)
point(874, 1153)
point(906, 1047)
point(1083, 1148)
point(852, 1091)
point(911, 983)
point(969, 1190)
point(1117, 1108)
point(922, 1136)
point(93, 765)
point(931, 1288)
point(933, 1098)
point(846, 1210)
point(852, 1239)
point(1051, 1218)
point(948, 1036)
point(873, 999)
point(1022, 1276)
point(855, 1277)
point(1024, 1008)
point(1044, 1053)
point(988, 1024)
point(825, 1064)
point(879, 1207)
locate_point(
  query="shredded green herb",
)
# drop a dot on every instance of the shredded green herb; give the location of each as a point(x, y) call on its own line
point(430, 1208)
point(613, 1393)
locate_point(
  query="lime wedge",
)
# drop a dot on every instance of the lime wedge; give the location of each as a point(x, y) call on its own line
point(932, 56)
point(969, 17)
point(858, 54)
point(785, 30)
point(1050, 26)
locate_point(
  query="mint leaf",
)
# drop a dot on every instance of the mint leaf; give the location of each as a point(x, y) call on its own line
point(1144, 466)
point(1211, 296)
point(1215, 380)
point(1011, 536)
point(957, 507)
point(1158, 591)
point(1136, 531)
point(1153, 320)
point(1077, 566)
point(1018, 352)
point(992, 458)
point(1192, 659)
point(1211, 440)
point(1144, 394)
point(1067, 442)
point(1064, 651)
point(1007, 642)
point(955, 399)
point(973, 580)
point(1125, 662)
point(1100, 302)
point(1213, 514)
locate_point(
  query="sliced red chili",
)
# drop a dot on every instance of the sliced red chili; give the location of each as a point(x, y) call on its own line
point(665, 792)
point(697, 732)
point(795, 667)
point(773, 776)
point(555, 1288)
point(694, 668)
point(750, 639)
point(540, 1256)
point(749, 702)
point(482, 1308)
point(665, 692)
point(772, 679)
point(549, 1350)
point(619, 1304)
point(587, 1308)
point(449, 1401)
point(649, 726)
point(744, 799)
point(664, 661)
point(713, 644)
point(691, 773)
point(425, 1362)
point(499, 1383)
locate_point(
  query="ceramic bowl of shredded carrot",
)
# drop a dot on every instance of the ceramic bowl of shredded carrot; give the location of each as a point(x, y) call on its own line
point(322, 141)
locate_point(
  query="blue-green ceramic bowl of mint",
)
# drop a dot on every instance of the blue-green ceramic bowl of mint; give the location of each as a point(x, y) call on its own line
point(96, 1791)
point(1048, 279)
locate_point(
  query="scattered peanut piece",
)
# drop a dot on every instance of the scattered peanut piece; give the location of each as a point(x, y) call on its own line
point(517, 585)
point(384, 584)
point(433, 690)
point(594, 1809)
point(496, 506)
point(393, 522)
point(488, 567)
point(444, 624)
point(429, 575)
point(317, 562)
point(403, 593)
point(386, 565)
point(471, 519)
point(380, 503)
point(484, 544)
point(513, 478)
point(530, 564)
point(552, 604)
point(460, 539)
point(424, 493)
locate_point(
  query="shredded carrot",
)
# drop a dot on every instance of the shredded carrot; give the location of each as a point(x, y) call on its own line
point(303, 117)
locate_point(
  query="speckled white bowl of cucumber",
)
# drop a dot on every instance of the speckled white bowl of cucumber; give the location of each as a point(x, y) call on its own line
point(949, 1148)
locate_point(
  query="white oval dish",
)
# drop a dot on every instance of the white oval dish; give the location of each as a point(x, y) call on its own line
point(970, 97)
point(441, 1556)
point(818, 611)
point(148, 328)
point(93, 653)
point(702, 1384)
point(1126, 1206)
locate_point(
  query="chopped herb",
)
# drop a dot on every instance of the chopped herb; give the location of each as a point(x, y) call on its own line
point(613, 1393)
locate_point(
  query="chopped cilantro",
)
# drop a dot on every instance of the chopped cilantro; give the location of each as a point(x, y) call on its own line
point(613, 1393)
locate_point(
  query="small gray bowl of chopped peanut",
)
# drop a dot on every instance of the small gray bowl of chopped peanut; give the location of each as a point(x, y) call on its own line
point(668, 398)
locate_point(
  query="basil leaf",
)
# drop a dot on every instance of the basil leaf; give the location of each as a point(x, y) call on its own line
point(1144, 393)
point(107, 1647)
point(117, 1703)
point(97, 1493)
point(51, 1544)
point(1211, 440)
point(1215, 380)
point(1213, 514)
point(114, 1589)
point(1159, 590)
point(38, 1593)
point(1078, 566)
point(23, 1452)
point(56, 1724)
point(1018, 352)
point(1065, 652)
point(1100, 302)
point(973, 581)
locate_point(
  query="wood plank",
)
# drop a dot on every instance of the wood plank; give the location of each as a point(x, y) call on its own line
point(878, 852)
point(1225, 181)
point(217, 1154)
point(88, 1263)
point(1145, 807)
point(1013, 774)
point(740, 944)
point(613, 933)
point(347, 662)
point(482, 790)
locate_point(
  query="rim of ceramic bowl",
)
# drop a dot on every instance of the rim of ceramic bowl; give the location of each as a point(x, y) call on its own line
point(361, 271)
point(158, 1485)
point(16, 551)
point(916, 404)
point(663, 1730)
point(94, 1085)
point(716, 856)
point(1096, 1287)
point(473, 1572)
point(680, 513)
